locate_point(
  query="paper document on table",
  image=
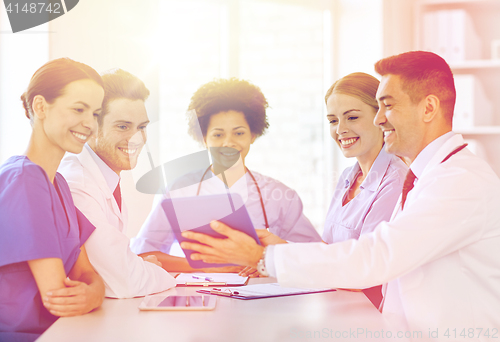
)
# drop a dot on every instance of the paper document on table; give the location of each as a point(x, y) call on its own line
point(262, 291)
point(210, 279)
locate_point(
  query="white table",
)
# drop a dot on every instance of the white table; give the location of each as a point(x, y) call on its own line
point(334, 316)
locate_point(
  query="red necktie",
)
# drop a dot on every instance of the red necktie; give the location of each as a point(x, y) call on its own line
point(374, 294)
point(407, 186)
point(118, 196)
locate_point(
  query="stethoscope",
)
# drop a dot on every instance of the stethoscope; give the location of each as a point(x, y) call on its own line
point(254, 181)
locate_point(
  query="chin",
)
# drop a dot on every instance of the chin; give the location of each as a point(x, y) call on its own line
point(389, 148)
point(75, 150)
point(227, 162)
point(128, 166)
point(226, 165)
point(395, 150)
point(131, 161)
point(349, 154)
point(132, 165)
point(231, 163)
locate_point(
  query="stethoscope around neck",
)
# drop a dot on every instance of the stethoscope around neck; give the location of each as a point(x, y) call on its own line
point(227, 189)
point(155, 177)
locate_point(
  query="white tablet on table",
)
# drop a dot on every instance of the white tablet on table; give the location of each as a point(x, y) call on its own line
point(178, 303)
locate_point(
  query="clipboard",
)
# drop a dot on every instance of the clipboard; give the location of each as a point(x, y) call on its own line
point(259, 291)
point(210, 279)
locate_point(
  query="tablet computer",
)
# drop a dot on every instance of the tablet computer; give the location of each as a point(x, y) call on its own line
point(196, 213)
point(182, 303)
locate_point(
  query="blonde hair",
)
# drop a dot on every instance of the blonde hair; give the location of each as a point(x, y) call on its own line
point(359, 85)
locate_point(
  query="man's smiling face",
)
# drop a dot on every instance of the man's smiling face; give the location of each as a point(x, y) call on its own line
point(399, 118)
point(122, 134)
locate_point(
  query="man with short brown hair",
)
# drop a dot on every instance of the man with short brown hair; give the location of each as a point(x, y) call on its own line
point(94, 179)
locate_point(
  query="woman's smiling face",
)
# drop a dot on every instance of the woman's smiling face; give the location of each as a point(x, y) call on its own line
point(71, 119)
point(228, 137)
point(351, 126)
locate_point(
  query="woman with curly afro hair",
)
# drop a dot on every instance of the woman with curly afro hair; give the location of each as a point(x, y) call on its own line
point(227, 116)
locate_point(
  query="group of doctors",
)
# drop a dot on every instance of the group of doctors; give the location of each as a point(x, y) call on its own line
point(425, 237)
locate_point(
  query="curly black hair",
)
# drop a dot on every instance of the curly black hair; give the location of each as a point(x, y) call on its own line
point(223, 95)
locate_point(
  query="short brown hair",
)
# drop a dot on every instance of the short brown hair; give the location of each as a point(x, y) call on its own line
point(120, 84)
point(422, 73)
point(223, 95)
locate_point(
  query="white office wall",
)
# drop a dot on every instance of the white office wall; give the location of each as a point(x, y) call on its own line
point(110, 34)
point(360, 35)
point(360, 25)
point(21, 54)
point(127, 34)
point(398, 26)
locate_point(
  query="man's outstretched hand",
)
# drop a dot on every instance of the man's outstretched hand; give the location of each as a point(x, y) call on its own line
point(238, 248)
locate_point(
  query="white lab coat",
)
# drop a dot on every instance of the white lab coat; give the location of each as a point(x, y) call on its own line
point(124, 273)
point(440, 256)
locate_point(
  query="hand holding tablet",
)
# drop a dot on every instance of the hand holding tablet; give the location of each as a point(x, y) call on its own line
point(194, 214)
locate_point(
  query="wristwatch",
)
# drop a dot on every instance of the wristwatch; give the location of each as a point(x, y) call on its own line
point(261, 265)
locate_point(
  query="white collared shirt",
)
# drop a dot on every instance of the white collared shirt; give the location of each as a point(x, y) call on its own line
point(378, 195)
point(125, 274)
point(439, 255)
point(426, 154)
point(111, 177)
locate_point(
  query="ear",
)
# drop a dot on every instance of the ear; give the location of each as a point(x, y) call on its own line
point(432, 107)
point(39, 106)
point(254, 136)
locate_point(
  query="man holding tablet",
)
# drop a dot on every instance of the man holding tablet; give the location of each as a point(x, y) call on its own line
point(94, 179)
point(228, 208)
point(438, 256)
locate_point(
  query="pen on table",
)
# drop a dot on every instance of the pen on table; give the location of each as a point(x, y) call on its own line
point(203, 278)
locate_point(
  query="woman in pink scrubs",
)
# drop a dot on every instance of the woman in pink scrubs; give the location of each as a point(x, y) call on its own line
point(44, 269)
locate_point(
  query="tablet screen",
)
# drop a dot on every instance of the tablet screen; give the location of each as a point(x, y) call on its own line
point(162, 302)
point(184, 301)
point(196, 213)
